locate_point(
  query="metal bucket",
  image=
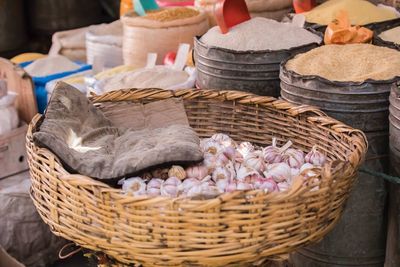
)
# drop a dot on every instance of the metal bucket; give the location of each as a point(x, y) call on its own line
point(359, 239)
point(393, 237)
point(361, 105)
point(12, 25)
point(49, 16)
point(252, 71)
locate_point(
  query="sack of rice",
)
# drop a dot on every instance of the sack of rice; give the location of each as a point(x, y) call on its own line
point(161, 76)
point(271, 9)
point(104, 42)
point(361, 12)
point(70, 44)
point(160, 32)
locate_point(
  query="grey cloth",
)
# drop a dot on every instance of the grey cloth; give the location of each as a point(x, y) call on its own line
point(23, 234)
point(89, 144)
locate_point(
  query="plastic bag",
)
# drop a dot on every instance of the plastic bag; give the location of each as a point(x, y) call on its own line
point(340, 31)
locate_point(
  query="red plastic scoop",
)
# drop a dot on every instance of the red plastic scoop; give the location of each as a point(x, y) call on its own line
point(229, 13)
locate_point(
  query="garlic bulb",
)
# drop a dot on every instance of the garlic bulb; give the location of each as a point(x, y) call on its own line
point(269, 185)
point(256, 180)
point(279, 172)
point(245, 148)
point(161, 173)
point(273, 153)
point(211, 147)
point(170, 187)
point(223, 139)
point(283, 186)
point(307, 170)
point(153, 187)
point(221, 173)
point(197, 171)
point(294, 158)
point(177, 171)
point(135, 186)
point(244, 172)
point(203, 189)
point(188, 183)
point(232, 186)
point(230, 152)
point(255, 160)
point(221, 160)
point(315, 157)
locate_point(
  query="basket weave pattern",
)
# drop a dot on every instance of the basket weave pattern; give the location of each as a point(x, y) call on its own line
point(234, 229)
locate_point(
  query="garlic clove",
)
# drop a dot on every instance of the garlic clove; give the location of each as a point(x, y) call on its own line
point(223, 139)
point(222, 185)
point(221, 160)
point(211, 147)
point(269, 185)
point(188, 183)
point(244, 186)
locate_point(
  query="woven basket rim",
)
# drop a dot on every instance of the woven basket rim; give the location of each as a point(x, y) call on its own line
point(314, 115)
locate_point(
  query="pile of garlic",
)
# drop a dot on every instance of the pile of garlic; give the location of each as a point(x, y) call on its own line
point(228, 166)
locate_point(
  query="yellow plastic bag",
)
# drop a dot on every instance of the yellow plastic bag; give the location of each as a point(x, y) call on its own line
point(340, 31)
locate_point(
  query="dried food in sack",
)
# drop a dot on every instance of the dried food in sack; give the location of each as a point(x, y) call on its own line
point(163, 77)
point(140, 34)
point(88, 143)
point(50, 65)
point(171, 14)
point(104, 43)
point(392, 35)
point(250, 35)
point(70, 44)
point(360, 12)
point(368, 62)
point(8, 113)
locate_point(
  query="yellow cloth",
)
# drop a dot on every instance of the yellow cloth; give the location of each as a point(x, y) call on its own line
point(26, 57)
point(360, 12)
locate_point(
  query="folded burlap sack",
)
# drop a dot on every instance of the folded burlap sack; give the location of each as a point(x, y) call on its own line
point(90, 144)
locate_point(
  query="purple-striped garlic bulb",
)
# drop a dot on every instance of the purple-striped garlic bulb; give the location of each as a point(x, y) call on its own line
point(188, 183)
point(294, 158)
point(244, 172)
point(256, 181)
point(232, 186)
point(245, 148)
point(197, 171)
point(171, 187)
point(223, 139)
point(222, 185)
point(134, 186)
point(255, 160)
point(279, 172)
point(210, 146)
point(269, 185)
point(315, 157)
point(221, 173)
point(221, 160)
point(230, 152)
point(273, 153)
point(203, 189)
point(154, 187)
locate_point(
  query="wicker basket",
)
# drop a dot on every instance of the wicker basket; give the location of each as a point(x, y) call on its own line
point(236, 228)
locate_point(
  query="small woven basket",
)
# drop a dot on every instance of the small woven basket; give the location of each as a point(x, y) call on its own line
point(239, 228)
